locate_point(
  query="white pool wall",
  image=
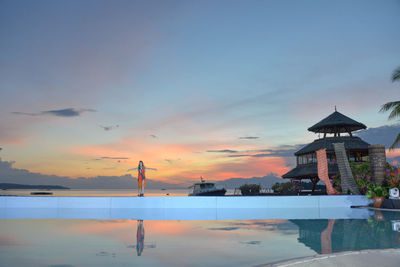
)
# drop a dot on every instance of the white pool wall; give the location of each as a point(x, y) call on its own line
point(256, 202)
point(184, 208)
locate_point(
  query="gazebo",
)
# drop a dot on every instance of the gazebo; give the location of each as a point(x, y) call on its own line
point(341, 129)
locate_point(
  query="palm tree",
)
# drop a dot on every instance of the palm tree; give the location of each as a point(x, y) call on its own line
point(396, 75)
point(393, 106)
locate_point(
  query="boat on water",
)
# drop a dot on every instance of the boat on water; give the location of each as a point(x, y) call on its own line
point(41, 193)
point(206, 189)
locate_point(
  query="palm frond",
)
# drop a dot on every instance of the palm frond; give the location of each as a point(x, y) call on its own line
point(395, 143)
point(396, 75)
point(395, 113)
point(391, 105)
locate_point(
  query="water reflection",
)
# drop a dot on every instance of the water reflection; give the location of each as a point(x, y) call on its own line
point(188, 243)
point(139, 237)
point(328, 236)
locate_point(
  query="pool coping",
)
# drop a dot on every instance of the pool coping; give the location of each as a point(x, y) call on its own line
point(329, 259)
point(184, 208)
point(339, 201)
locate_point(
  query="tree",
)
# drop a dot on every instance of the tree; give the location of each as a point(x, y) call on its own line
point(393, 106)
point(396, 75)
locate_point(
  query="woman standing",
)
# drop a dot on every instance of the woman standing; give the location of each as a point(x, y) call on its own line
point(141, 178)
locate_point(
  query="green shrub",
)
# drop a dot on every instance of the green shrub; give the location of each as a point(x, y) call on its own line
point(362, 176)
point(286, 188)
point(250, 189)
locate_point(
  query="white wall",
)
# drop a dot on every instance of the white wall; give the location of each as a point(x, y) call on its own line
point(185, 208)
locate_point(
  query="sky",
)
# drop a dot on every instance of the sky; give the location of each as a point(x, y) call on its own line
point(89, 88)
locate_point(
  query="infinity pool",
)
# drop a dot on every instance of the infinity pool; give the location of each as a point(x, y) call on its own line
point(39, 242)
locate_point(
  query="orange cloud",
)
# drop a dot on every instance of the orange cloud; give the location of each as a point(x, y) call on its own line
point(184, 162)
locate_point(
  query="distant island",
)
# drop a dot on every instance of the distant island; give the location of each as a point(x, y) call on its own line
point(4, 186)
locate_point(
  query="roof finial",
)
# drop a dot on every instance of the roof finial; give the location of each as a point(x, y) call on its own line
point(335, 108)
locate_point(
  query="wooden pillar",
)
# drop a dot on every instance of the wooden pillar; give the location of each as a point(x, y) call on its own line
point(377, 158)
point(314, 181)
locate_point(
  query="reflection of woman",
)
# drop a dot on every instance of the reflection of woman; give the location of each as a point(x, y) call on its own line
point(141, 178)
point(140, 238)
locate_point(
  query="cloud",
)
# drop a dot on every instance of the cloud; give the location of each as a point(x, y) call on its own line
point(26, 114)
point(249, 137)
point(383, 135)
point(238, 155)
point(261, 155)
point(109, 128)
point(67, 112)
point(113, 158)
point(280, 151)
point(171, 161)
point(224, 228)
point(251, 242)
point(285, 151)
point(222, 151)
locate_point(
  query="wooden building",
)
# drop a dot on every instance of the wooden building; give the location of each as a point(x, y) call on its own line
point(336, 128)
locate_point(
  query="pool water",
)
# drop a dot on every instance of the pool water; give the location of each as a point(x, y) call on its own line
point(27, 242)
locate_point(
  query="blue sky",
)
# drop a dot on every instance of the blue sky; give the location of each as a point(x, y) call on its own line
point(183, 77)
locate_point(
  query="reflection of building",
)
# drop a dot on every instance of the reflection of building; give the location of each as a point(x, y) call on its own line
point(341, 127)
point(328, 236)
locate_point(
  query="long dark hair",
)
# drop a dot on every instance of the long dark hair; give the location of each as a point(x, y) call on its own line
point(141, 165)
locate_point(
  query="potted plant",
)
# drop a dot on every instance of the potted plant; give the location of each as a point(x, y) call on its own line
point(378, 193)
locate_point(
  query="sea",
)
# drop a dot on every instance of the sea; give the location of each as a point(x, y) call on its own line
point(103, 192)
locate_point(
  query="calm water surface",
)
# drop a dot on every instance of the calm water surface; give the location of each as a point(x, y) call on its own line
point(104, 193)
point(187, 243)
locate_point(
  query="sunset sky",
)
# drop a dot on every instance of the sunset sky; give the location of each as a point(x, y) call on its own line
point(217, 89)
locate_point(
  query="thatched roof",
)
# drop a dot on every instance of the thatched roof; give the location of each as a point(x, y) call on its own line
point(308, 171)
point(337, 123)
point(350, 143)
